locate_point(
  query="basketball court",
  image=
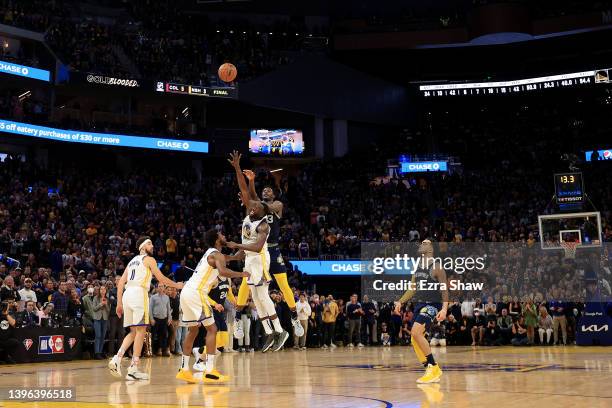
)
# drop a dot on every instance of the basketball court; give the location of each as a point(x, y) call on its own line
point(371, 377)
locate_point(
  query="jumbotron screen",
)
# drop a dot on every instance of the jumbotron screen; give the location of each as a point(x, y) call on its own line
point(277, 142)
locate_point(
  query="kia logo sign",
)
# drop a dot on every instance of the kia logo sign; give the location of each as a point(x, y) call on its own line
point(595, 328)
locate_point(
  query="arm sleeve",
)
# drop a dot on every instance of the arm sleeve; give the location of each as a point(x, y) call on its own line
point(210, 301)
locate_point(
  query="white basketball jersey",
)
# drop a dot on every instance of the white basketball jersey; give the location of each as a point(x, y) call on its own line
point(205, 276)
point(249, 233)
point(139, 275)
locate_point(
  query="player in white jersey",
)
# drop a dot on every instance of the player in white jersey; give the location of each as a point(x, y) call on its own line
point(197, 310)
point(134, 303)
point(255, 232)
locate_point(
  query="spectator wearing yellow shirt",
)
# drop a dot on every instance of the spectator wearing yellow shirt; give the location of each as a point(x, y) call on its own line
point(171, 247)
point(330, 313)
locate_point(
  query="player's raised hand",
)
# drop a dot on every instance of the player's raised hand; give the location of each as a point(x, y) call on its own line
point(234, 158)
point(249, 174)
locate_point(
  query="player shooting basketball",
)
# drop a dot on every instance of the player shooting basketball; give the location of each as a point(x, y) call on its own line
point(431, 304)
point(277, 265)
point(255, 233)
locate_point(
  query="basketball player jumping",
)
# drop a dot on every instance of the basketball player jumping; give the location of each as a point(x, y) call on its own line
point(197, 310)
point(277, 265)
point(134, 303)
point(430, 305)
point(255, 232)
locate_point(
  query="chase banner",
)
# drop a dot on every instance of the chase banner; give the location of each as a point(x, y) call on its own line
point(101, 139)
point(24, 71)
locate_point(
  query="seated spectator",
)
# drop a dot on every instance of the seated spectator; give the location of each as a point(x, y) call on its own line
point(478, 325)
point(26, 293)
point(75, 308)
point(545, 325)
point(60, 299)
point(504, 325)
point(492, 335)
point(385, 337)
point(29, 317)
point(8, 290)
point(452, 330)
point(519, 333)
point(46, 314)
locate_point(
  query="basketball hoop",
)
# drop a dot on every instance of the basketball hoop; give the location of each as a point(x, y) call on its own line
point(570, 249)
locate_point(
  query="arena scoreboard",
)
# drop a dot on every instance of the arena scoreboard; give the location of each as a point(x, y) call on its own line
point(215, 92)
point(569, 188)
point(519, 86)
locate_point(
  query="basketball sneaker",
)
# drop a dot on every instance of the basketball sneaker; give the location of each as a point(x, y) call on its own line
point(134, 374)
point(298, 329)
point(238, 330)
point(199, 365)
point(280, 340)
point(114, 366)
point(432, 375)
point(360, 345)
point(185, 375)
point(214, 377)
point(269, 343)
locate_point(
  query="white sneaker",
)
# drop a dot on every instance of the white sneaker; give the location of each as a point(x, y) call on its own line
point(238, 330)
point(324, 346)
point(134, 374)
point(333, 345)
point(199, 365)
point(360, 345)
point(114, 365)
point(350, 345)
point(298, 329)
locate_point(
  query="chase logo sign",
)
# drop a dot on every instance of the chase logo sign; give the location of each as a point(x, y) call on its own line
point(50, 344)
point(339, 267)
point(424, 167)
point(24, 71)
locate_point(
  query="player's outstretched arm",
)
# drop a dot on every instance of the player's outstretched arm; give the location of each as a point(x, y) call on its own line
point(238, 256)
point(219, 259)
point(244, 191)
point(257, 246)
point(152, 265)
point(250, 175)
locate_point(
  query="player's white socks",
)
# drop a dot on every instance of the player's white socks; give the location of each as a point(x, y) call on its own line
point(266, 325)
point(277, 326)
point(185, 362)
point(120, 353)
point(196, 353)
point(210, 362)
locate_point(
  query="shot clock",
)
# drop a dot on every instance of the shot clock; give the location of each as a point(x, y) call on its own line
point(569, 188)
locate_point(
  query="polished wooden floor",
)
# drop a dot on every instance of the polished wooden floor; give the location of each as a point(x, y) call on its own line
point(370, 377)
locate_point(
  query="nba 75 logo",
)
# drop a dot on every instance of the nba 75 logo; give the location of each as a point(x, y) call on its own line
point(50, 344)
point(27, 343)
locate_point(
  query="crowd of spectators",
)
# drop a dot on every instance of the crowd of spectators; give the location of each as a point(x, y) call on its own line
point(157, 40)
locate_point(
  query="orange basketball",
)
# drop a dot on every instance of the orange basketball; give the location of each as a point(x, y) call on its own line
point(227, 72)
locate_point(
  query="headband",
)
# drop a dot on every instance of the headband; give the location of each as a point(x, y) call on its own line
point(143, 244)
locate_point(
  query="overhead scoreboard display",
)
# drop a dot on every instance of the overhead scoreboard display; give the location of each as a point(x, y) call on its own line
point(569, 189)
point(598, 76)
point(198, 90)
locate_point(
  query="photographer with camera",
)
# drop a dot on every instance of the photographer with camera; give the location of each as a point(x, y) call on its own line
point(8, 342)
